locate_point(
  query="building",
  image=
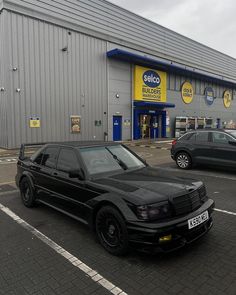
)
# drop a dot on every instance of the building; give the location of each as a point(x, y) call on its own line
point(88, 69)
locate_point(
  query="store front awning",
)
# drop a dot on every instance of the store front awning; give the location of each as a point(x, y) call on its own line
point(167, 65)
point(153, 105)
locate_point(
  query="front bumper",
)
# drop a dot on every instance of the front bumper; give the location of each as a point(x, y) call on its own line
point(145, 236)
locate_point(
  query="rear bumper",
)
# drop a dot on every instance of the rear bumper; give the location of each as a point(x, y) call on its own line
point(147, 237)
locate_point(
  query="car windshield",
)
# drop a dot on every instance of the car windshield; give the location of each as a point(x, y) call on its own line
point(103, 159)
point(232, 132)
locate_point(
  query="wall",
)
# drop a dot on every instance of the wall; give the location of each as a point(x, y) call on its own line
point(54, 83)
point(112, 23)
point(120, 81)
point(3, 77)
point(198, 107)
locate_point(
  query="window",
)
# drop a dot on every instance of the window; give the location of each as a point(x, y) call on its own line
point(109, 158)
point(50, 157)
point(219, 137)
point(188, 136)
point(202, 137)
point(38, 159)
point(67, 160)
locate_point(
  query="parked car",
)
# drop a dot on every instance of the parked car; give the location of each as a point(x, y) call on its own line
point(111, 189)
point(208, 146)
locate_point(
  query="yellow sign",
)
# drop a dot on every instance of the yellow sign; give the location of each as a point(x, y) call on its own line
point(187, 92)
point(227, 98)
point(149, 85)
point(34, 123)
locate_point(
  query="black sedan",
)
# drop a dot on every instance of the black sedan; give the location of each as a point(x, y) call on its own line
point(209, 147)
point(108, 187)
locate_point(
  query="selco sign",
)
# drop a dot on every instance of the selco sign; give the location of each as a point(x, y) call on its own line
point(227, 98)
point(209, 95)
point(187, 92)
point(149, 85)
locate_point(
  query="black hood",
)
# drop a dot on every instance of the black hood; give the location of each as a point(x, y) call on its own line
point(148, 185)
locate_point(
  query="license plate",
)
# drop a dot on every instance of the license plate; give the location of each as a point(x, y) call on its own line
point(195, 221)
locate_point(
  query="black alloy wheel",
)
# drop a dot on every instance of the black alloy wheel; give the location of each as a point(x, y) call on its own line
point(111, 231)
point(27, 193)
point(183, 160)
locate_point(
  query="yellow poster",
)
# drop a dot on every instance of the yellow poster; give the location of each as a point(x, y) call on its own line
point(187, 92)
point(149, 85)
point(34, 122)
point(227, 98)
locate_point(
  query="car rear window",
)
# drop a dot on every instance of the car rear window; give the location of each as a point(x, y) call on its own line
point(202, 137)
point(188, 136)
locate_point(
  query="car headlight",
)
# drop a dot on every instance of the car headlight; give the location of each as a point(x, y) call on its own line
point(154, 211)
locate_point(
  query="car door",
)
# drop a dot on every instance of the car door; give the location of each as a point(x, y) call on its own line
point(70, 194)
point(41, 168)
point(223, 152)
point(201, 148)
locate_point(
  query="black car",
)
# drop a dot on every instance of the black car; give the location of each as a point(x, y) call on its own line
point(206, 146)
point(108, 187)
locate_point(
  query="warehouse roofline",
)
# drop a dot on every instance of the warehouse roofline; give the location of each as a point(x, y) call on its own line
point(170, 66)
point(104, 20)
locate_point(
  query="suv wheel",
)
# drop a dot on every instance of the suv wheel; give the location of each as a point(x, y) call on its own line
point(183, 160)
point(111, 231)
point(27, 193)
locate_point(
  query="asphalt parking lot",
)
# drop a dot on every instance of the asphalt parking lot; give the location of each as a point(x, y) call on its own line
point(45, 252)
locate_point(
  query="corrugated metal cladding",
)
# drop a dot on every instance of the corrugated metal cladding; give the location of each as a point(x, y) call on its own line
point(120, 82)
point(125, 28)
point(53, 83)
point(3, 106)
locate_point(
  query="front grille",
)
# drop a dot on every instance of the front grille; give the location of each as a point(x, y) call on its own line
point(187, 203)
point(202, 193)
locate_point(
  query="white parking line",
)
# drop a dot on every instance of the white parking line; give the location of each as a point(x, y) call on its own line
point(225, 211)
point(93, 274)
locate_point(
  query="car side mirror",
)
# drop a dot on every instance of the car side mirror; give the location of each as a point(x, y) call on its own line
point(77, 174)
point(233, 142)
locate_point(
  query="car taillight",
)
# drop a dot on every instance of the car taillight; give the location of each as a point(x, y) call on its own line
point(174, 142)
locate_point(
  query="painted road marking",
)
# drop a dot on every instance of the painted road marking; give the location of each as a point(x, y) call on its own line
point(93, 274)
point(8, 160)
point(225, 211)
point(9, 182)
point(164, 141)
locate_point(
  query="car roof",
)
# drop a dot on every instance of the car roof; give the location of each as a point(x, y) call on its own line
point(83, 143)
point(211, 129)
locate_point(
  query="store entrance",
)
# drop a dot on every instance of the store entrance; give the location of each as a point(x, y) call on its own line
point(148, 126)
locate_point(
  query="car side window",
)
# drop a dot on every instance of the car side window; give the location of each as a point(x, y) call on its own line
point(202, 137)
point(50, 157)
point(187, 136)
point(67, 160)
point(38, 159)
point(219, 137)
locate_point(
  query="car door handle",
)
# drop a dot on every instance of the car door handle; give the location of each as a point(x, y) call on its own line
point(55, 174)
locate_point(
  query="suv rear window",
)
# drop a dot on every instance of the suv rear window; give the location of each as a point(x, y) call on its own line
point(202, 137)
point(188, 136)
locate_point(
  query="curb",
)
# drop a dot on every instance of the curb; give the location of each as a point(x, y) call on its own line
point(147, 146)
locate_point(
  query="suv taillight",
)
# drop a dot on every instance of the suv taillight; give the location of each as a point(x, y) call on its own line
point(174, 142)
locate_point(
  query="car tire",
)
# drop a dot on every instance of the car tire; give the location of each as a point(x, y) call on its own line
point(111, 231)
point(183, 160)
point(27, 193)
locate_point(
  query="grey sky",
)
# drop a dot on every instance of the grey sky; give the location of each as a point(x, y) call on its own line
point(211, 22)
